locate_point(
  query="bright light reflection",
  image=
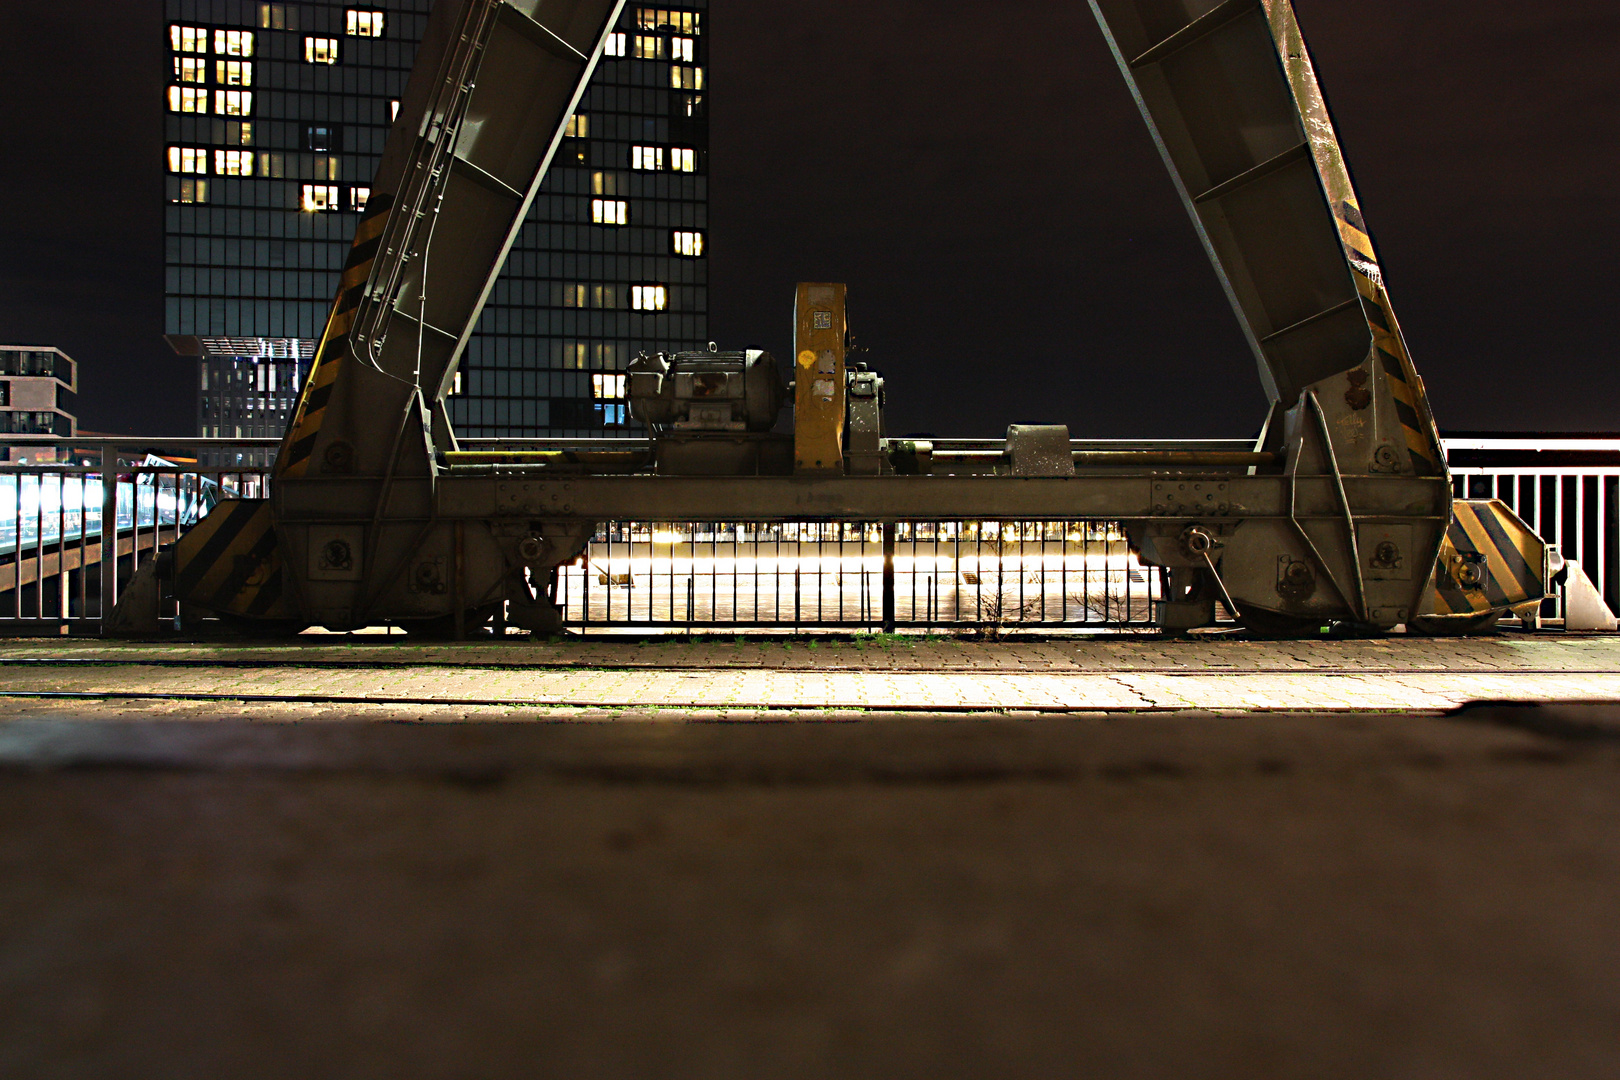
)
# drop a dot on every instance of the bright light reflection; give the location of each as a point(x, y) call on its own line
point(873, 565)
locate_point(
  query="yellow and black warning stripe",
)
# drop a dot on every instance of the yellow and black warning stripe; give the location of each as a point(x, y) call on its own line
point(230, 562)
point(299, 443)
point(1489, 561)
point(1411, 405)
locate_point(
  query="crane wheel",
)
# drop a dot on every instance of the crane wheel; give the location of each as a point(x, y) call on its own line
point(1275, 626)
point(246, 629)
point(1453, 626)
point(443, 628)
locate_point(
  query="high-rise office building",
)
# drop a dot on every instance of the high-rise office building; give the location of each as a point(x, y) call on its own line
point(276, 118)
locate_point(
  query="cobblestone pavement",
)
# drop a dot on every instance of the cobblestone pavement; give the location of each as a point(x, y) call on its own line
point(1506, 651)
point(752, 679)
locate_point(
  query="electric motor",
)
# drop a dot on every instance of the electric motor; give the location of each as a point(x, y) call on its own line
point(707, 391)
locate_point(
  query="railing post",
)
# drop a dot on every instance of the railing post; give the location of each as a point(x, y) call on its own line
point(109, 533)
point(458, 586)
point(889, 531)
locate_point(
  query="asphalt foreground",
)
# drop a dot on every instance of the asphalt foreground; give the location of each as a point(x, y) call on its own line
point(488, 861)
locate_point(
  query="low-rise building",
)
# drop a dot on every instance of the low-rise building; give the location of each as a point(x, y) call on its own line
point(38, 387)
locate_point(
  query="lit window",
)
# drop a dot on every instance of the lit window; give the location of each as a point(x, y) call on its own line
point(649, 297)
point(649, 47)
point(233, 72)
point(189, 70)
point(187, 159)
point(614, 45)
point(233, 102)
point(193, 191)
point(683, 160)
point(235, 133)
point(613, 415)
point(233, 162)
point(188, 39)
point(319, 197)
point(688, 244)
point(691, 105)
point(609, 212)
point(604, 183)
point(320, 50)
point(589, 296)
point(358, 197)
point(185, 99)
point(273, 165)
point(393, 111)
point(648, 158)
point(607, 387)
point(326, 168)
point(681, 22)
point(579, 127)
point(278, 17)
point(365, 23)
point(320, 137)
point(233, 42)
point(686, 78)
point(683, 48)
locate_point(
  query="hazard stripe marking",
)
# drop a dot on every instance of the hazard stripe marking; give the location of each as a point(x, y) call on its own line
point(221, 556)
point(215, 538)
point(241, 569)
point(1400, 375)
point(1460, 601)
point(319, 396)
point(1518, 571)
point(1353, 231)
point(1375, 314)
point(269, 593)
point(1511, 555)
point(299, 443)
point(1351, 215)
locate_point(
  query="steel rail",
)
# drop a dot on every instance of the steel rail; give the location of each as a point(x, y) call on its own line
point(939, 669)
point(773, 708)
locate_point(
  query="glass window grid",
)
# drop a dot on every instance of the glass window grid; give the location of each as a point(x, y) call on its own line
point(630, 97)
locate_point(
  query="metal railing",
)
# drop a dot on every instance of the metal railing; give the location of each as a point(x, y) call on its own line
point(54, 577)
point(810, 575)
point(61, 567)
point(1566, 489)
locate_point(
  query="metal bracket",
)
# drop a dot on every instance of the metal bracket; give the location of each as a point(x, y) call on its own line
point(1201, 543)
point(1360, 604)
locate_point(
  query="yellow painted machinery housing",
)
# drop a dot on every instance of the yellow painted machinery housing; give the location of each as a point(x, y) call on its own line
point(1491, 563)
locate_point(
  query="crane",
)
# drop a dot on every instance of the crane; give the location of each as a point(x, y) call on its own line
point(1339, 513)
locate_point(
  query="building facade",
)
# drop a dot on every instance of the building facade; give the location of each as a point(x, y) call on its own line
point(38, 388)
point(276, 118)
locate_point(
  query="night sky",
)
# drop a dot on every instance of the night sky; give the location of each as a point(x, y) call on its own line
point(979, 176)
